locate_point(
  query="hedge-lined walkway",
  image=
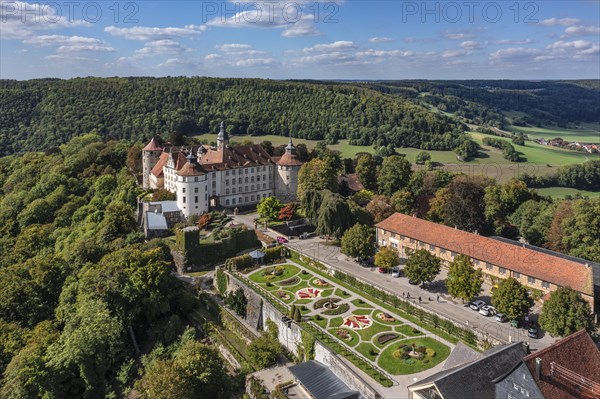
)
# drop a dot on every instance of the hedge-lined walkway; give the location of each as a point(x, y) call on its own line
point(381, 336)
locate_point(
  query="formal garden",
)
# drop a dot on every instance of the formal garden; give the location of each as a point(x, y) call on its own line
point(391, 343)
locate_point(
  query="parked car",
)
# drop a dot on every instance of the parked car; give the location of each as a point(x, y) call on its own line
point(395, 272)
point(412, 282)
point(501, 317)
point(533, 332)
point(382, 270)
point(281, 240)
point(476, 305)
point(487, 310)
point(304, 236)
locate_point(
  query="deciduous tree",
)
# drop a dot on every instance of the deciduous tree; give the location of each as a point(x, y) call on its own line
point(422, 266)
point(269, 207)
point(394, 174)
point(565, 313)
point(511, 298)
point(464, 281)
point(359, 241)
point(387, 258)
point(316, 175)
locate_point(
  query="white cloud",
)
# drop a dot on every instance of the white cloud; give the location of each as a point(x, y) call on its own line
point(560, 50)
point(513, 42)
point(159, 47)
point(255, 62)
point(340, 45)
point(385, 54)
point(212, 57)
point(582, 30)
point(21, 20)
point(189, 64)
point(470, 44)
point(253, 18)
point(454, 53)
point(559, 21)
point(418, 40)
point(147, 34)
point(232, 47)
point(70, 43)
point(69, 59)
point(335, 57)
point(458, 36)
point(381, 40)
point(240, 55)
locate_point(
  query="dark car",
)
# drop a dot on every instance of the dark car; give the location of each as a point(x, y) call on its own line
point(532, 332)
point(412, 282)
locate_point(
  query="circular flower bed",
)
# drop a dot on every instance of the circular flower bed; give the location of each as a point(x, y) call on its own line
point(357, 322)
point(321, 283)
point(325, 301)
point(308, 293)
point(385, 317)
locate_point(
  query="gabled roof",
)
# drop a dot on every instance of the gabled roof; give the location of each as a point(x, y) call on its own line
point(576, 362)
point(321, 382)
point(288, 159)
point(157, 170)
point(475, 379)
point(461, 354)
point(191, 169)
point(543, 266)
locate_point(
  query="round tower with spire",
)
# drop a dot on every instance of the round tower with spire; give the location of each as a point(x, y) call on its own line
point(222, 137)
point(286, 179)
point(150, 155)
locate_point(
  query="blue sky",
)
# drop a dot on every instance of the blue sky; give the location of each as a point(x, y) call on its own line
point(302, 39)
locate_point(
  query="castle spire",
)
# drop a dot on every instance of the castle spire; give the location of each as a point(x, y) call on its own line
point(290, 147)
point(222, 137)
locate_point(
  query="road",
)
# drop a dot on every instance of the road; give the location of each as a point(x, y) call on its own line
point(447, 306)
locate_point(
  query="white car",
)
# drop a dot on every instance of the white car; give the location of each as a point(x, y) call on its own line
point(487, 310)
point(395, 272)
point(476, 305)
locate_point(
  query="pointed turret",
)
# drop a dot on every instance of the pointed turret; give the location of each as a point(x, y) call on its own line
point(222, 137)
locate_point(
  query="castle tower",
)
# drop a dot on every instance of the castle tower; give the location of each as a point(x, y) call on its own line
point(222, 137)
point(150, 154)
point(286, 178)
point(192, 187)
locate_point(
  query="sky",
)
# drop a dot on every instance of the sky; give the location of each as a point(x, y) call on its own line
point(349, 39)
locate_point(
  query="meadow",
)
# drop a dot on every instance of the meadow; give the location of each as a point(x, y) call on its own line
point(588, 132)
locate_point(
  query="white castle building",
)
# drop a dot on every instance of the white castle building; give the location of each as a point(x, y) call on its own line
point(205, 177)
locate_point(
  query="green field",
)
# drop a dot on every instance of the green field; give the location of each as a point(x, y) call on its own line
point(588, 133)
point(561, 192)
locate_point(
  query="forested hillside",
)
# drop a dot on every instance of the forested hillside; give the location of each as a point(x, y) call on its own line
point(80, 288)
point(544, 103)
point(39, 114)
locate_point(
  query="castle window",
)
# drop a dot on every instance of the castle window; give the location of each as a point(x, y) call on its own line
point(226, 173)
point(227, 182)
point(246, 188)
point(258, 178)
point(252, 179)
point(214, 175)
point(246, 171)
point(233, 190)
point(264, 177)
point(240, 180)
point(183, 199)
point(489, 266)
point(531, 280)
point(252, 198)
point(195, 179)
point(246, 180)
point(501, 270)
point(183, 190)
point(517, 275)
point(196, 190)
point(252, 188)
point(233, 201)
point(245, 199)
point(206, 197)
point(264, 185)
point(240, 200)
point(227, 191)
point(196, 199)
point(226, 202)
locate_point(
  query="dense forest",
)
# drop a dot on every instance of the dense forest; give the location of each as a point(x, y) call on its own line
point(544, 103)
point(82, 294)
point(39, 114)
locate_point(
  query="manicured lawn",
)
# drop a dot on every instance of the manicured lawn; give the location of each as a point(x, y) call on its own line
point(361, 304)
point(355, 340)
point(288, 271)
point(368, 350)
point(374, 329)
point(336, 321)
point(322, 322)
point(407, 330)
point(342, 293)
point(327, 292)
point(362, 311)
point(305, 276)
point(397, 366)
point(561, 192)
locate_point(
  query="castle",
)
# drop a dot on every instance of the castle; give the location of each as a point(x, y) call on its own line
point(205, 177)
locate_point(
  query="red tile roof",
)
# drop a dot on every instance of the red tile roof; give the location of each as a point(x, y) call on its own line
point(153, 145)
point(235, 157)
point(157, 170)
point(288, 159)
point(191, 169)
point(352, 181)
point(559, 271)
point(573, 357)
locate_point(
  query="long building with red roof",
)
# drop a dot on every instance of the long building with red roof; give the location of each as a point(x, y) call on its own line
point(496, 258)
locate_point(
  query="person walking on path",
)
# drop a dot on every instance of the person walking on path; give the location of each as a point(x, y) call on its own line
point(419, 300)
point(438, 299)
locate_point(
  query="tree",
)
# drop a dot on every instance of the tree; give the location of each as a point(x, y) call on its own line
point(565, 313)
point(403, 201)
point(465, 208)
point(366, 169)
point(422, 157)
point(335, 216)
point(422, 266)
point(394, 174)
point(359, 241)
point(379, 207)
point(556, 232)
point(582, 231)
point(464, 281)
point(316, 175)
point(237, 301)
point(467, 150)
point(533, 219)
point(387, 258)
point(311, 203)
point(503, 200)
point(287, 212)
point(437, 210)
point(511, 298)
point(163, 195)
point(263, 351)
point(269, 207)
